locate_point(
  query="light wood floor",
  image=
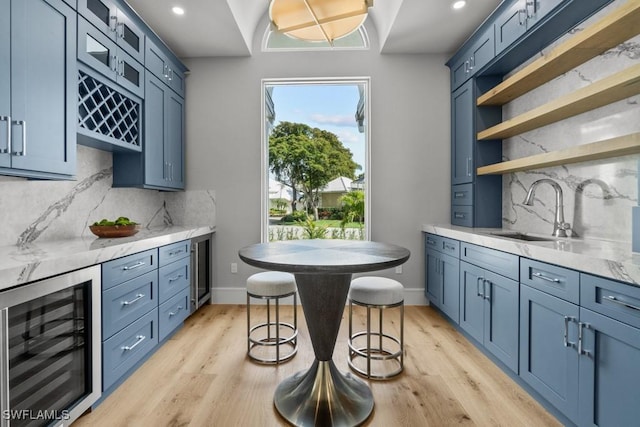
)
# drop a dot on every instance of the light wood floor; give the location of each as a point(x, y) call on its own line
point(201, 377)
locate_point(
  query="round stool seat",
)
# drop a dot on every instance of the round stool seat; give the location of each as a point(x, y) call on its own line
point(271, 284)
point(371, 290)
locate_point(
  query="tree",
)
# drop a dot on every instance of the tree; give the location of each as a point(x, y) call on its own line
point(306, 159)
point(353, 206)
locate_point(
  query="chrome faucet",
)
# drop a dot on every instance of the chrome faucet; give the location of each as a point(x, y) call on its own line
point(559, 226)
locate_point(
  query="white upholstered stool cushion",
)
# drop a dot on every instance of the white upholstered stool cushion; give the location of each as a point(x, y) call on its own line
point(271, 284)
point(372, 290)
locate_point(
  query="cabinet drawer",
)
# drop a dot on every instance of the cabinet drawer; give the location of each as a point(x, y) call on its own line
point(432, 241)
point(163, 68)
point(172, 313)
point(125, 303)
point(617, 300)
point(558, 281)
point(123, 350)
point(173, 252)
point(173, 278)
point(462, 194)
point(462, 215)
point(126, 268)
point(442, 244)
point(491, 259)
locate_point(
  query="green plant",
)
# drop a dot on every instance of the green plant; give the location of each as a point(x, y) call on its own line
point(297, 216)
point(313, 230)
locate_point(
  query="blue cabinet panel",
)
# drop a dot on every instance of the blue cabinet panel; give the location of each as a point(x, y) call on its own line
point(126, 302)
point(122, 351)
point(501, 318)
point(462, 134)
point(471, 300)
point(559, 281)
point(163, 68)
point(43, 79)
point(174, 148)
point(450, 294)
point(548, 348)
point(614, 299)
point(5, 84)
point(609, 372)
point(433, 286)
point(510, 25)
point(172, 313)
point(155, 112)
point(126, 268)
point(173, 252)
point(173, 278)
point(497, 261)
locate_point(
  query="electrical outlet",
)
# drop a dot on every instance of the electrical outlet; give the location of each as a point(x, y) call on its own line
point(234, 267)
point(399, 269)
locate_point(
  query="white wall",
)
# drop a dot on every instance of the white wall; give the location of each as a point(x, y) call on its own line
point(410, 149)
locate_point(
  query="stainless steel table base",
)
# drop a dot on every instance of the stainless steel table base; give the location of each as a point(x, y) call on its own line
point(323, 396)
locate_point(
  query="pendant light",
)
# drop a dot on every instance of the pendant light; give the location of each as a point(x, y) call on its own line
point(318, 20)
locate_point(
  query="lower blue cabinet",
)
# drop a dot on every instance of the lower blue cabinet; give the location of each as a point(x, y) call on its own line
point(442, 287)
point(549, 348)
point(172, 313)
point(126, 348)
point(489, 311)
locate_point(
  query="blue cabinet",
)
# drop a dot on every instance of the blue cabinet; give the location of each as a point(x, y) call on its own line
point(103, 55)
point(442, 285)
point(549, 348)
point(159, 64)
point(489, 300)
point(108, 17)
point(161, 164)
point(480, 201)
point(470, 60)
point(489, 311)
point(520, 17)
point(38, 89)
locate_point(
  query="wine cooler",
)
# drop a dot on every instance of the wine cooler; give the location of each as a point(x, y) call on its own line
point(50, 349)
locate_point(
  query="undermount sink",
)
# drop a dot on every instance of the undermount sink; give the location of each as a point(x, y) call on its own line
point(522, 236)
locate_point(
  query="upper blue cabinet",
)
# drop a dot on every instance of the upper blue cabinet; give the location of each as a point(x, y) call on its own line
point(38, 88)
point(115, 24)
point(520, 17)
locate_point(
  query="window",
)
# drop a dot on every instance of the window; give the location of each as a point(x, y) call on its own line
point(315, 159)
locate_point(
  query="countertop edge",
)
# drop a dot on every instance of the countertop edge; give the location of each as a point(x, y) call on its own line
point(612, 260)
point(36, 261)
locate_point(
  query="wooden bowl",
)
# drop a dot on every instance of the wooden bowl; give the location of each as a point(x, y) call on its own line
point(110, 231)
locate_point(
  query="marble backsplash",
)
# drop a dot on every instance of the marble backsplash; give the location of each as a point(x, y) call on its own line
point(598, 195)
point(35, 211)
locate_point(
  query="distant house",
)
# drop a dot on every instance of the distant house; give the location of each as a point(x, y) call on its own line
point(278, 191)
point(331, 193)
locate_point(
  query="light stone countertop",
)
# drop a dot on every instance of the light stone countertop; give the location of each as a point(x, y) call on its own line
point(613, 260)
point(34, 261)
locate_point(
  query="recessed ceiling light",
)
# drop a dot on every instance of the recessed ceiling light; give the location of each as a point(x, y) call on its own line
point(459, 4)
point(180, 11)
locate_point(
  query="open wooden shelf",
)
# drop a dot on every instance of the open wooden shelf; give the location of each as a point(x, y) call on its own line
point(615, 28)
point(615, 147)
point(614, 88)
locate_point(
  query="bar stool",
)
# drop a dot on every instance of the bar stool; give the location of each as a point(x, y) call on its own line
point(381, 293)
point(271, 285)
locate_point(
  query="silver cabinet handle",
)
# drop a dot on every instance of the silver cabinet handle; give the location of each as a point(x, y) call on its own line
point(520, 20)
point(113, 23)
point(458, 194)
point(430, 241)
point(565, 338)
point(171, 313)
point(468, 166)
point(581, 327)
point(437, 266)
point(478, 294)
point(165, 71)
point(486, 295)
point(173, 253)
point(121, 68)
point(23, 124)
point(139, 339)
point(173, 279)
point(120, 30)
point(442, 268)
point(114, 63)
point(450, 247)
point(531, 4)
point(472, 63)
point(134, 266)
point(622, 303)
point(458, 215)
point(137, 298)
point(548, 279)
point(170, 74)
point(8, 120)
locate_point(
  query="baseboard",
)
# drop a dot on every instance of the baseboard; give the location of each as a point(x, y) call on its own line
point(412, 296)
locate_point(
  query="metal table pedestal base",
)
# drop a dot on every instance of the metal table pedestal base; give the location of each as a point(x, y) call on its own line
point(323, 396)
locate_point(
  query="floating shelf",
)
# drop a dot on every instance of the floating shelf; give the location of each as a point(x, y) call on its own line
point(603, 92)
point(613, 29)
point(615, 147)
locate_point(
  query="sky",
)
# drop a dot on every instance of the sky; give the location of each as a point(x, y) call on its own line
point(327, 107)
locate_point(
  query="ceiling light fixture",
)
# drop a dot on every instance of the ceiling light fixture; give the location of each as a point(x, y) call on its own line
point(177, 10)
point(318, 20)
point(459, 4)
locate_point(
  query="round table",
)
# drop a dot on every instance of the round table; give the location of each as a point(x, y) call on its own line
point(323, 395)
